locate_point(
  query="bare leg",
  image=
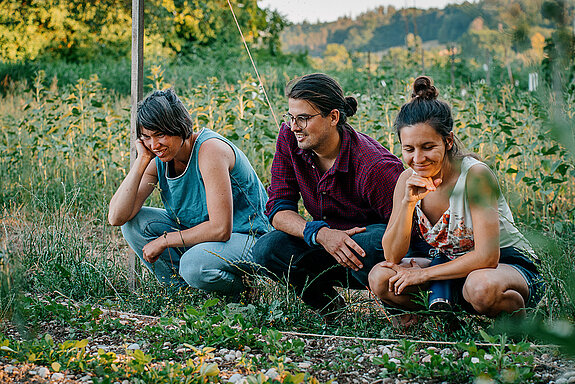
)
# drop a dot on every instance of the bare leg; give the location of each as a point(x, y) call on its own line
point(492, 291)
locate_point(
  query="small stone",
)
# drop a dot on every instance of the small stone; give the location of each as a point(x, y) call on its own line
point(32, 373)
point(10, 369)
point(272, 373)
point(287, 360)
point(180, 350)
point(304, 365)
point(238, 354)
point(86, 378)
point(126, 382)
point(488, 356)
point(134, 346)
point(224, 351)
point(230, 357)
point(385, 351)
point(235, 378)
point(58, 376)
point(445, 351)
point(394, 360)
point(475, 360)
point(43, 372)
point(426, 359)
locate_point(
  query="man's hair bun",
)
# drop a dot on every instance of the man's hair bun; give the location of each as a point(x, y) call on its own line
point(350, 106)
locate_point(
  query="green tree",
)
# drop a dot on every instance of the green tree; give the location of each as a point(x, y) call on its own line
point(336, 57)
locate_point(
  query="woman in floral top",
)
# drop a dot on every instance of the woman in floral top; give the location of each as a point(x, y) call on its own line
point(452, 200)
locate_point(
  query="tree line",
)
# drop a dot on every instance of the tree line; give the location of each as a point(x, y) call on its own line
point(76, 30)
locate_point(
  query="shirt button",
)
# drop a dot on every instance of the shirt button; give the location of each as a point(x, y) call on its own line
point(325, 217)
point(324, 192)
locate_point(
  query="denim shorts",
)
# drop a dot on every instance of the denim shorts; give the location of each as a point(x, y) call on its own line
point(517, 259)
point(511, 256)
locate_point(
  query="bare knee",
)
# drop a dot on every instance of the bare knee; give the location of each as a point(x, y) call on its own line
point(482, 292)
point(379, 280)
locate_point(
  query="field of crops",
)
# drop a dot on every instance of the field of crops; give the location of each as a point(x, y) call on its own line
point(65, 149)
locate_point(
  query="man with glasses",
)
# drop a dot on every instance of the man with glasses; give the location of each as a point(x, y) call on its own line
point(346, 180)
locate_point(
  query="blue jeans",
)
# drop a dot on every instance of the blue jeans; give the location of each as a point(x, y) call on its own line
point(210, 266)
point(312, 270)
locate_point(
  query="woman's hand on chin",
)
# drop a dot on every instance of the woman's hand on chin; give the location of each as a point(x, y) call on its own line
point(417, 187)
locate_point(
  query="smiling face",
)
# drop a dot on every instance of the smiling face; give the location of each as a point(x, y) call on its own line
point(320, 133)
point(423, 149)
point(165, 147)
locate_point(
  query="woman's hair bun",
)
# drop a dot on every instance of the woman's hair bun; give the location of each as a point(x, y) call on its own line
point(424, 89)
point(350, 106)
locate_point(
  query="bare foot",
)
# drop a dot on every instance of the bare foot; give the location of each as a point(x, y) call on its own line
point(405, 321)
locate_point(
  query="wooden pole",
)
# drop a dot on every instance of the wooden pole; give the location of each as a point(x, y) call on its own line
point(137, 95)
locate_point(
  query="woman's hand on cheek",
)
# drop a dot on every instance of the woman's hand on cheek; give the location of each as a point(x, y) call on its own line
point(144, 151)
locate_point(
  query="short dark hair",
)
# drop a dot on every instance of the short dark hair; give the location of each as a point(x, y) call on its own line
point(424, 107)
point(326, 94)
point(163, 111)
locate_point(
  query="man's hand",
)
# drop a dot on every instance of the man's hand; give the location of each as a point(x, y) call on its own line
point(405, 276)
point(154, 249)
point(341, 246)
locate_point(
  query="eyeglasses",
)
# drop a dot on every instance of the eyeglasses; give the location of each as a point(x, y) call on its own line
point(300, 120)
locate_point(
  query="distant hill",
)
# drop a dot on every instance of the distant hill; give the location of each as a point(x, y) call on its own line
point(387, 27)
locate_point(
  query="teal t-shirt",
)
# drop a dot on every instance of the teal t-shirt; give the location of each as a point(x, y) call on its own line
point(184, 196)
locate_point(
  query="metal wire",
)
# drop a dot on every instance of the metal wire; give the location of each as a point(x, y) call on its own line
point(254, 65)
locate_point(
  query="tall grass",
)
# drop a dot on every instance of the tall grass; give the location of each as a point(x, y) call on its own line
point(65, 150)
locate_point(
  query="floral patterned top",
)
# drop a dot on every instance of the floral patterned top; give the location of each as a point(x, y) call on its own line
point(453, 232)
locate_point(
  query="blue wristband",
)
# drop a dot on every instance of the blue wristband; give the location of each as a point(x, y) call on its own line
point(310, 231)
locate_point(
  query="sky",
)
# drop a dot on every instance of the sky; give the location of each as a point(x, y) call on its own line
point(297, 11)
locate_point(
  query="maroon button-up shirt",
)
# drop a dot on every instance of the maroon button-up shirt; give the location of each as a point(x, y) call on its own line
point(356, 191)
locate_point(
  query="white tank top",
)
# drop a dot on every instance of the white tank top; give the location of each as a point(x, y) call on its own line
point(453, 232)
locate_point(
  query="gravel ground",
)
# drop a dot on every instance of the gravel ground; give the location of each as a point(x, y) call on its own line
point(343, 360)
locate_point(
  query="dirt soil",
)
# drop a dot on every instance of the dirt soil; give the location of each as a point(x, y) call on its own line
point(343, 360)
